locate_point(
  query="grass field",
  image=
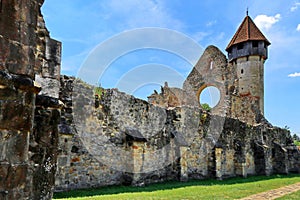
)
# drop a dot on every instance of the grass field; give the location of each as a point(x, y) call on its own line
point(295, 195)
point(208, 189)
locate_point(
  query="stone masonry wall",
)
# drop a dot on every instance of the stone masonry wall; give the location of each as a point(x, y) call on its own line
point(28, 120)
point(241, 94)
point(43, 146)
point(123, 140)
point(91, 137)
point(100, 151)
point(16, 121)
point(77, 168)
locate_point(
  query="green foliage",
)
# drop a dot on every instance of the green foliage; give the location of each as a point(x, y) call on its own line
point(99, 91)
point(296, 139)
point(206, 107)
point(297, 143)
point(233, 188)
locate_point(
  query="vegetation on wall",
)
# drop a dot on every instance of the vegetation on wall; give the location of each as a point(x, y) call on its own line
point(206, 107)
point(99, 91)
point(296, 139)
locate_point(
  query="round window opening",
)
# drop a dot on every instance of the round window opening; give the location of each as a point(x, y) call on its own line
point(209, 97)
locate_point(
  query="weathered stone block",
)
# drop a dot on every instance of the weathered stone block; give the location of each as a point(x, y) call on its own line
point(13, 146)
point(49, 86)
point(51, 69)
point(63, 160)
point(15, 115)
point(12, 176)
point(7, 93)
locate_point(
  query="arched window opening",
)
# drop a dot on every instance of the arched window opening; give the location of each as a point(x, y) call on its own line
point(209, 97)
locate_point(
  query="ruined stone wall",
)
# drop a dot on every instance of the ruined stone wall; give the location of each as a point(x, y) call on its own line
point(120, 139)
point(171, 97)
point(240, 85)
point(211, 70)
point(77, 168)
point(109, 136)
point(95, 137)
point(28, 130)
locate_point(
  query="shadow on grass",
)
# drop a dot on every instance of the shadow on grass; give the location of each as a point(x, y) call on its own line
point(164, 186)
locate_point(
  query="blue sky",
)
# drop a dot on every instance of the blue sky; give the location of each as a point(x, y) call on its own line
point(84, 25)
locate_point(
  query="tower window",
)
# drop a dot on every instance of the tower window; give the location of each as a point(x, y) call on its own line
point(242, 71)
point(240, 46)
point(255, 44)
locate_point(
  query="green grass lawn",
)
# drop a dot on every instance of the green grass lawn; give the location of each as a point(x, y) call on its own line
point(208, 189)
point(295, 195)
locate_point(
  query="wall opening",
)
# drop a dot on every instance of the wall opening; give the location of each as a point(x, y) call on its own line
point(240, 46)
point(255, 44)
point(209, 97)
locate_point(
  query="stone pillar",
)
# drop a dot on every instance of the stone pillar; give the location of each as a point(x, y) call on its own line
point(244, 170)
point(66, 133)
point(293, 159)
point(240, 160)
point(63, 161)
point(280, 159)
point(268, 160)
point(138, 152)
point(262, 159)
point(219, 161)
point(183, 163)
point(17, 97)
point(43, 148)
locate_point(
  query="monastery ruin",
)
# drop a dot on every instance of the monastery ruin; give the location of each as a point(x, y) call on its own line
point(58, 134)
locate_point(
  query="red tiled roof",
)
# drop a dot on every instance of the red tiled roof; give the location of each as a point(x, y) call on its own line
point(246, 32)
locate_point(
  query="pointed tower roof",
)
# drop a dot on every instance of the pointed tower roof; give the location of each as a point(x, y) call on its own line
point(246, 32)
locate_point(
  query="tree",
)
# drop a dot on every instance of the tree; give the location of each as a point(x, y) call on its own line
point(296, 137)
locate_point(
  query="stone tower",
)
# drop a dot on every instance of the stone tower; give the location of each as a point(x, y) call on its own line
point(247, 52)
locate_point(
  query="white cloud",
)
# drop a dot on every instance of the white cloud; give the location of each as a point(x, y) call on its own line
point(265, 22)
point(296, 74)
point(298, 27)
point(295, 6)
point(199, 36)
point(211, 23)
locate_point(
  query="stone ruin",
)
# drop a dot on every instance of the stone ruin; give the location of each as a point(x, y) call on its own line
point(57, 134)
